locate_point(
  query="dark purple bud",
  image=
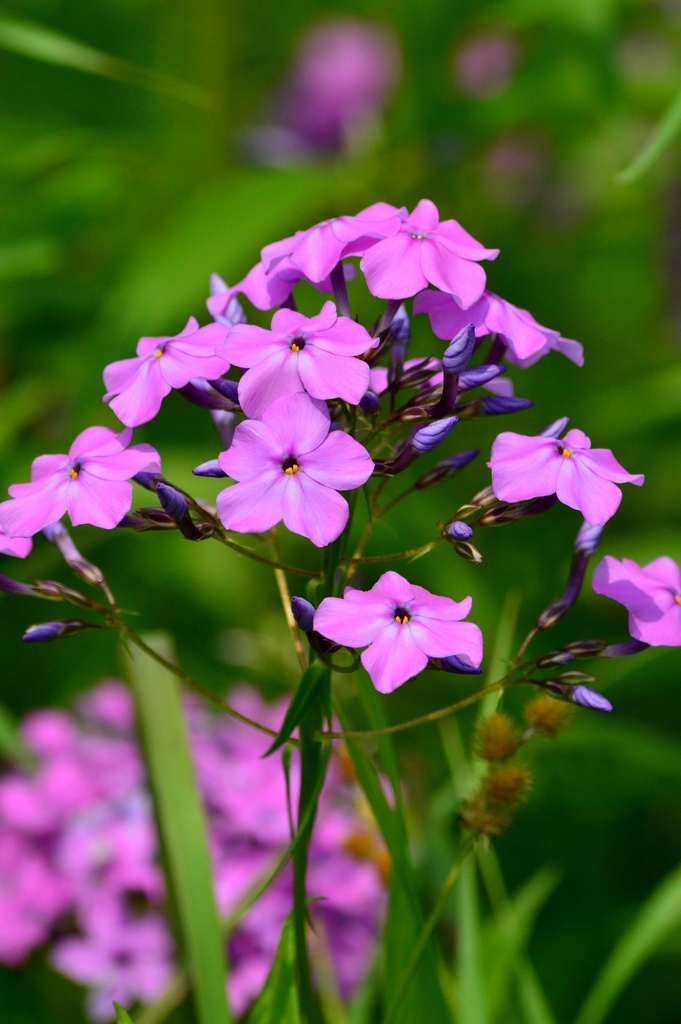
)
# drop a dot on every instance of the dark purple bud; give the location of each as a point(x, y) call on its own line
point(476, 376)
point(11, 586)
point(400, 335)
point(210, 468)
point(556, 428)
point(585, 648)
point(174, 503)
point(388, 316)
point(459, 350)
point(369, 403)
point(430, 436)
point(623, 649)
point(572, 678)
point(460, 459)
point(58, 535)
point(446, 468)
point(466, 550)
point(587, 539)
point(503, 514)
point(400, 328)
point(588, 698)
point(148, 480)
point(303, 613)
point(55, 630)
point(497, 405)
point(555, 658)
point(199, 392)
point(459, 530)
point(229, 389)
point(461, 664)
point(225, 424)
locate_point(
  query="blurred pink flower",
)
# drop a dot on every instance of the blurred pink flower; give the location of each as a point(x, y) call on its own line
point(484, 65)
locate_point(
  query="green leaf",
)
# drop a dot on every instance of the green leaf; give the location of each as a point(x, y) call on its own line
point(472, 1002)
point(658, 918)
point(122, 1015)
point(12, 747)
point(44, 44)
point(662, 137)
point(181, 824)
point(278, 1001)
point(308, 689)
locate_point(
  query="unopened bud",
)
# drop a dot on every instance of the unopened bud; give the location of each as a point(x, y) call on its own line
point(623, 649)
point(556, 428)
point(414, 414)
point(369, 403)
point(555, 658)
point(58, 535)
point(234, 313)
point(55, 630)
point(485, 497)
point(148, 480)
point(468, 551)
point(467, 511)
point(585, 648)
point(587, 698)
point(459, 350)
point(446, 468)
point(303, 613)
point(229, 389)
point(572, 678)
point(210, 468)
point(201, 392)
point(497, 405)
point(461, 664)
point(588, 538)
point(225, 424)
point(430, 436)
point(460, 530)
point(10, 586)
point(476, 376)
point(400, 335)
point(174, 503)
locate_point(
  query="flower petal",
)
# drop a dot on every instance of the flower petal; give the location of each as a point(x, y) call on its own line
point(432, 606)
point(301, 422)
point(355, 625)
point(654, 614)
point(247, 345)
point(255, 505)
point(580, 488)
point(340, 462)
point(447, 317)
point(666, 571)
point(424, 217)
point(524, 467)
point(99, 502)
point(393, 658)
point(256, 447)
point(440, 639)
point(330, 376)
point(604, 464)
point(392, 588)
point(275, 376)
point(344, 338)
point(318, 252)
point(142, 397)
point(34, 507)
point(462, 278)
point(463, 243)
point(123, 465)
point(392, 267)
point(99, 441)
point(314, 511)
point(43, 466)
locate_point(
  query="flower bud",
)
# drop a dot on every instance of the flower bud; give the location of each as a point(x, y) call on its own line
point(303, 613)
point(201, 392)
point(585, 648)
point(430, 436)
point(476, 376)
point(210, 468)
point(369, 403)
point(414, 414)
point(446, 468)
point(229, 389)
point(620, 650)
point(497, 405)
point(468, 551)
point(588, 538)
point(556, 428)
point(459, 350)
point(467, 511)
point(225, 424)
point(55, 630)
point(587, 698)
point(234, 314)
point(484, 498)
point(173, 502)
point(555, 658)
point(460, 664)
point(400, 335)
point(460, 530)
point(572, 677)
point(58, 535)
point(10, 586)
point(148, 480)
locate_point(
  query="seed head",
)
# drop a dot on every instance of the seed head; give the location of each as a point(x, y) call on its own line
point(547, 716)
point(497, 739)
point(507, 785)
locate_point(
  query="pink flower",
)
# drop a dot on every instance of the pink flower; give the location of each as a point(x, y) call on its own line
point(651, 593)
point(527, 340)
point(427, 251)
point(404, 626)
point(316, 251)
point(290, 467)
point(90, 483)
point(583, 477)
point(17, 546)
point(161, 364)
point(267, 288)
point(313, 354)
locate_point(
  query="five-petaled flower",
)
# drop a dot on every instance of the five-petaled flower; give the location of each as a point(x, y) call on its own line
point(288, 466)
point(314, 354)
point(403, 624)
point(161, 364)
point(525, 339)
point(427, 251)
point(90, 483)
point(651, 593)
point(582, 477)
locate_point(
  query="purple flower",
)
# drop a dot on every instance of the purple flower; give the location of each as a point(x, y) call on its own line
point(161, 364)
point(90, 483)
point(17, 546)
point(582, 477)
point(316, 252)
point(526, 340)
point(427, 251)
point(313, 354)
point(288, 466)
point(404, 626)
point(651, 593)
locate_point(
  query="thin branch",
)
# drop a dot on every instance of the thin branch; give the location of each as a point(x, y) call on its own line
point(250, 553)
point(285, 595)
point(412, 553)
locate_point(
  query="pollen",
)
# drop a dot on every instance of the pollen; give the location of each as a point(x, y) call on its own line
point(402, 616)
point(418, 236)
point(290, 466)
point(294, 347)
point(677, 598)
point(566, 452)
point(73, 473)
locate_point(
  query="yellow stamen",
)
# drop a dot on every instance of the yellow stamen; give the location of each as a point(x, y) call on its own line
point(677, 598)
point(566, 452)
point(420, 237)
point(73, 473)
point(290, 470)
point(294, 347)
point(402, 619)
point(158, 353)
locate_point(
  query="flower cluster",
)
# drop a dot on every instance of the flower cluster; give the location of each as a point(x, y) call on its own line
point(79, 853)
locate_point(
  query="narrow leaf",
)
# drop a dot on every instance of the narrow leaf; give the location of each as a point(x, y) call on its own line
point(472, 1001)
point(122, 1015)
point(278, 1001)
point(657, 919)
point(663, 135)
point(181, 825)
point(308, 689)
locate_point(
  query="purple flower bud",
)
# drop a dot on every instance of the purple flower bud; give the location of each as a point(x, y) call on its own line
point(460, 531)
point(587, 539)
point(234, 314)
point(58, 535)
point(369, 403)
point(588, 698)
point(173, 502)
point(400, 328)
point(460, 459)
point(460, 664)
point(556, 428)
point(585, 648)
point(148, 480)
point(303, 613)
point(459, 350)
point(555, 658)
point(227, 388)
point(44, 631)
point(210, 468)
point(225, 424)
point(497, 405)
point(199, 392)
point(11, 586)
point(400, 335)
point(429, 437)
point(620, 650)
point(479, 375)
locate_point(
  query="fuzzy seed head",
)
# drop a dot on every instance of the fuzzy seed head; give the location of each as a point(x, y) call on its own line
point(547, 716)
point(507, 785)
point(482, 820)
point(497, 739)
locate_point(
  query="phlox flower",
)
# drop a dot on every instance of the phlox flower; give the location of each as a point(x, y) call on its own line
point(314, 354)
point(526, 340)
point(288, 466)
point(427, 251)
point(17, 546)
point(267, 288)
point(651, 593)
point(90, 483)
point(403, 624)
point(582, 477)
point(136, 387)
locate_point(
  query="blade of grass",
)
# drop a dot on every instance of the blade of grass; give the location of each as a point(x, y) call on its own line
point(657, 919)
point(663, 135)
point(181, 825)
point(472, 1001)
point(278, 1001)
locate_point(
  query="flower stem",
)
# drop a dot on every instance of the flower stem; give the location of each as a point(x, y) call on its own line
point(285, 595)
point(250, 553)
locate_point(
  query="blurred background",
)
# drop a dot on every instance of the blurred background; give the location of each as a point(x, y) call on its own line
point(176, 139)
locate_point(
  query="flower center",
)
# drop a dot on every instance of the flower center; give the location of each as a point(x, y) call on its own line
point(677, 598)
point(158, 353)
point(402, 616)
point(297, 344)
point(565, 452)
point(418, 235)
point(74, 471)
point(290, 466)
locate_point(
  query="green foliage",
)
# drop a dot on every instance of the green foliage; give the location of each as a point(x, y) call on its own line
point(278, 1001)
point(122, 1015)
point(308, 690)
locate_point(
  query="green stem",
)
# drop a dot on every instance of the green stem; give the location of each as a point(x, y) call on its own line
point(250, 553)
point(423, 549)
